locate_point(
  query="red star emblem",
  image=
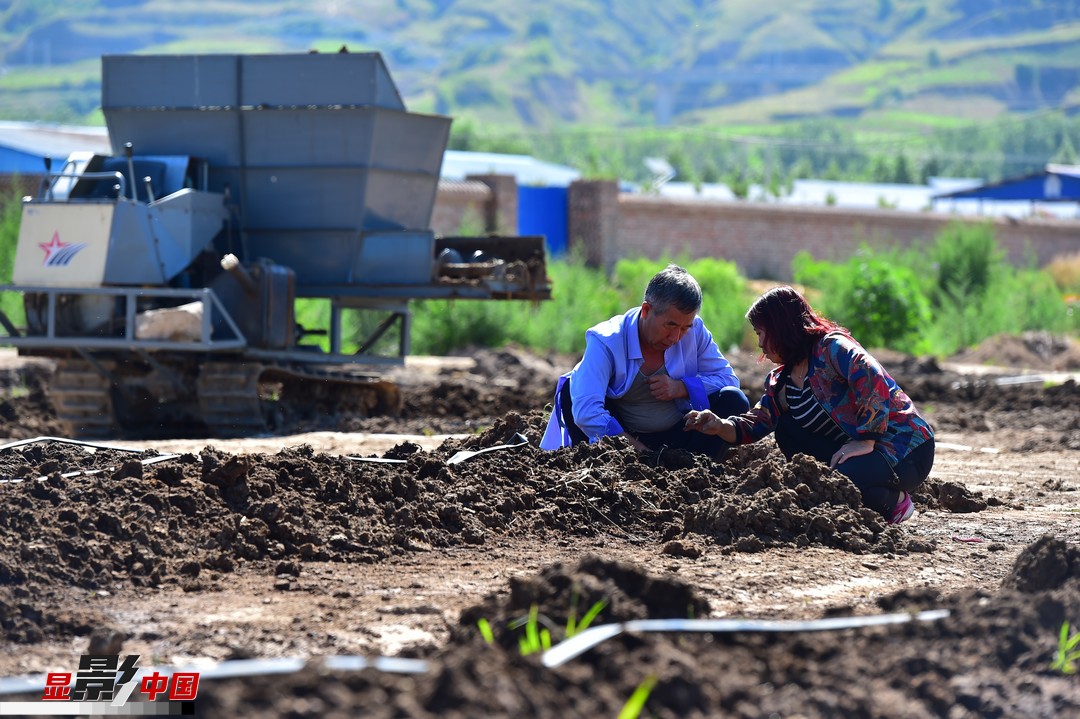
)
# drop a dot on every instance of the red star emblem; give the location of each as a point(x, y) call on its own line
point(52, 247)
point(60, 254)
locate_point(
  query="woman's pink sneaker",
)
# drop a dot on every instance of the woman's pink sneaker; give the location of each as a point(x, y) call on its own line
point(903, 509)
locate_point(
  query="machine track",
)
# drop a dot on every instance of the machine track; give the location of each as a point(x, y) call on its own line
point(333, 392)
point(239, 399)
point(83, 399)
point(229, 400)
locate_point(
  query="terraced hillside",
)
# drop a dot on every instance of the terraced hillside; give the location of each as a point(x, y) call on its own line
point(593, 62)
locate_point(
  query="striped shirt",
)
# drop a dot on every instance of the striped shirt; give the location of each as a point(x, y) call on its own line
point(809, 413)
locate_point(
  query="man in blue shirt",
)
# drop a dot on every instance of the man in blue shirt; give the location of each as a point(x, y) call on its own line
point(643, 370)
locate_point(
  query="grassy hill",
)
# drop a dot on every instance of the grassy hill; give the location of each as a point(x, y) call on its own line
point(890, 64)
point(741, 90)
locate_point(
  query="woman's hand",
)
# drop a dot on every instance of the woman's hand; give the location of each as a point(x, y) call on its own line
point(706, 422)
point(854, 448)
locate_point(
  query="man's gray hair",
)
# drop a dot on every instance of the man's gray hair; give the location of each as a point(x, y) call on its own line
point(673, 286)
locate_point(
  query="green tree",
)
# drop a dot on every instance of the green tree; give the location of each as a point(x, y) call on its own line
point(1024, 75)
point(739, 185)
point(710, 173)
point(880, 171)
point(902, 173)
point(1066, 152)
point(930, 168)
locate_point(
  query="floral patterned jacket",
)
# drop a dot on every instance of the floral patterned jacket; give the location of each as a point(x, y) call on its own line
point(855, 390)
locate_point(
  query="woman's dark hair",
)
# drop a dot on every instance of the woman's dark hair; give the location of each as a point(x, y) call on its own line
point(791, 326)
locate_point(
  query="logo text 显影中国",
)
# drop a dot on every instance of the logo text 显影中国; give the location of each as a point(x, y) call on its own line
point(105, 677)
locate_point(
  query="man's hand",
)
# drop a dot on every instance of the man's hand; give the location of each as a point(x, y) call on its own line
point(854, 448)
point(706, 422)
point(664, 388)
point(634, 442)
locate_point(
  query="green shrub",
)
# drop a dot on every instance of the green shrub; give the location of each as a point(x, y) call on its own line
point(440, 326)
point(879, 301)
point(967, 259)
point(581, 297)
point(1018, 300)
point(726, 297)
point(938, 299)
point(10, 219)
point(977, 293)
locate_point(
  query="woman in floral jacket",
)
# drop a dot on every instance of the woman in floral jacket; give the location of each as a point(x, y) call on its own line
point(830, 399)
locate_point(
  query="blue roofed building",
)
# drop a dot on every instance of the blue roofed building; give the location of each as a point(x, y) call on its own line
point(1054, 184)
point(25, 145)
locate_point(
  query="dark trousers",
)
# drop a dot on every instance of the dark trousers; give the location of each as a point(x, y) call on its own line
point(724, 402)
point(879, 483)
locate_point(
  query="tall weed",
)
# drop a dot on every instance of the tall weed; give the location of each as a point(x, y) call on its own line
point(966, 259)
point(581, 297)
point(977, 293)
point(1019, 300)
point(10, 220)
point(441, 326)
point(937, 299)
point(1065, 269)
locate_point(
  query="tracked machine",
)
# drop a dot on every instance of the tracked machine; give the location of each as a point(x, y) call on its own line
point(165, 278)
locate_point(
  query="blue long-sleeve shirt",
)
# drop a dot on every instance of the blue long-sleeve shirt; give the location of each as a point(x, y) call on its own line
point(613, 357)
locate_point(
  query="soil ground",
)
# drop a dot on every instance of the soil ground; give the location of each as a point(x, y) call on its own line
point(274, 548)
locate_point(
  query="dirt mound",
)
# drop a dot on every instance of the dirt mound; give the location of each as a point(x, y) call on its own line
point(1047, 564)
point(474, 395)
point(88, 534)
point(191, 519)
point(1031, 350)
point(25, 410)
point(457, 399)
point(989, 657)
point(567, 593)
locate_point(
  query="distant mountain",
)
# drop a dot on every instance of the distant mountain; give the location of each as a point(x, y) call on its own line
point(890, 63)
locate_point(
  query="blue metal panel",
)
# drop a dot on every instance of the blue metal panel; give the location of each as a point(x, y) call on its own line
point(543, 211)
point(12, 161)
point(318, 145)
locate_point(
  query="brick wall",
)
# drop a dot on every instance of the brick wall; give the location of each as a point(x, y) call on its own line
point(460, 205)
point(593, 221)
point(762, 238)
point(501, 217)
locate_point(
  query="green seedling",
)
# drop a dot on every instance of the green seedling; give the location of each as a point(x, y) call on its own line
point(535, 639)
point(538, 638)
point(573, 626)
point(636, 702)
point(485, 631)
point(1068, 651)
